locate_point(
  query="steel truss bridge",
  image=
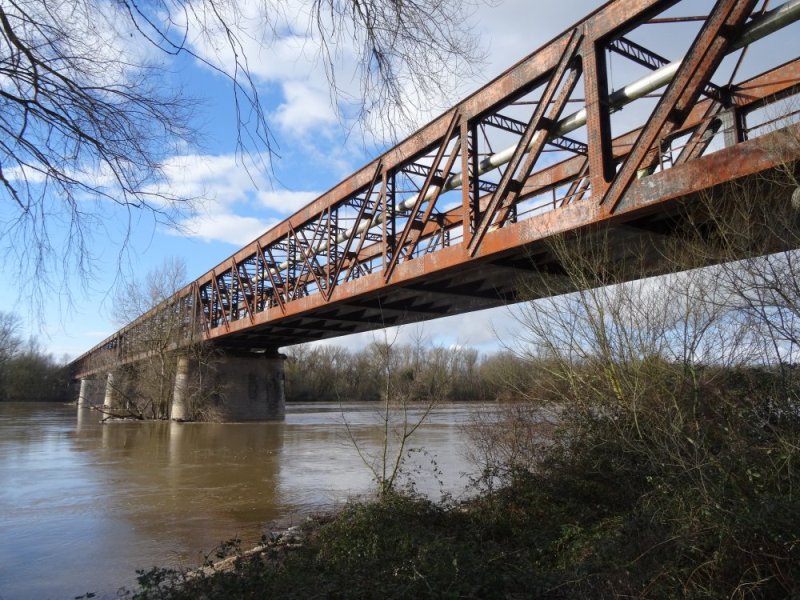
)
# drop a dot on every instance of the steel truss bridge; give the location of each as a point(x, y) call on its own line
point(450, 219)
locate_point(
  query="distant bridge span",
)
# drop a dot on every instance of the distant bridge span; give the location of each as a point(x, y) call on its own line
point(449, 220)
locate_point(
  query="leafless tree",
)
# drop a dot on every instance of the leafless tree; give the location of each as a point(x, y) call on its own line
point(605, 348)
point(80, 125)
point(672, 395)
point(410, 54)
point(146, 384)
point(134, 298)
point(410, 392)
point(10, 341)
point(88, 112)
point(756, 236)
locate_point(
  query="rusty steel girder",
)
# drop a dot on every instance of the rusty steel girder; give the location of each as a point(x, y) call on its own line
point(427, 228)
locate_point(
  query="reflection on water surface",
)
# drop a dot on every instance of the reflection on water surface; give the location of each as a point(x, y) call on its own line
point(82, 505)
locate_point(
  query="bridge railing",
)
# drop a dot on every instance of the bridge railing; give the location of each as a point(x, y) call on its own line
point(515, 150)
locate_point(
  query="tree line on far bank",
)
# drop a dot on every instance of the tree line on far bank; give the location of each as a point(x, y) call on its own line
point(334, 373)
point(28, 373)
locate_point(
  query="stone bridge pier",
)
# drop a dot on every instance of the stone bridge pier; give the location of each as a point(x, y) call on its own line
point(227, 386)
point(112, 399)
point(91, 392)
point(239, 386)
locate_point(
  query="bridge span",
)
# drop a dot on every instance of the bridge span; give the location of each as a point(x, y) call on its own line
point(457, 216)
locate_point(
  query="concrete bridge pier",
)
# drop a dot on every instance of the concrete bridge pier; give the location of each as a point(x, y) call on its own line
point(91, 392)
point(111, 401)
point(185, 373)
point(83, 394)
point(251, 386)
point(238, 386)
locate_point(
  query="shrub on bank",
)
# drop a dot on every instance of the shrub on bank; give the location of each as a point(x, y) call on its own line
point(402, 547)
point(692, 494)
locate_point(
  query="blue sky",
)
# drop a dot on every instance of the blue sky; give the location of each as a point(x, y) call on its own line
point(316, 148)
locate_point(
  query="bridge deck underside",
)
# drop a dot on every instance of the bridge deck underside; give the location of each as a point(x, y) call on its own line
point(446, 222)
point(654, 217)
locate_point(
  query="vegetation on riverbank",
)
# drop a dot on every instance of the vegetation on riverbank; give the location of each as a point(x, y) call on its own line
point(28, 373)
point(652, 450)
point(693, 495)
point(333, 373)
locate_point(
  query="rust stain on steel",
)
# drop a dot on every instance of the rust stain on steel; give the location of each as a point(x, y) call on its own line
point(748, 158)
point(530, 69)
point(772, 83)
point(704, 56)
point(331, 255)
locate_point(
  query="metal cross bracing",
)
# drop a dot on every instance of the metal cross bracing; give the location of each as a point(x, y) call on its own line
point(448, 219)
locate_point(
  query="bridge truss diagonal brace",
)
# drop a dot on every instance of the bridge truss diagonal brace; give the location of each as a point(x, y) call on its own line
point(276, 290)
point(310, 267)
point(243, 290)
point(700, 137)
point(198, 321)
point(704, 56)
point(218, 294)
point(539, 126)
point(431, 181)
point(362, 211)
point(577, 188)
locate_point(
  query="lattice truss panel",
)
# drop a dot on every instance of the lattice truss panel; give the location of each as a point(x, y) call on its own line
point(637, 88)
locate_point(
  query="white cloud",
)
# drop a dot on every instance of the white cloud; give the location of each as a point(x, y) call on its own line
point(24, 173)
point(284, 51)
point(280, 50)
point(226, 227)
point(285, 201)
point(227, 205)
point(305, 107)
point(233, 202)
point(221, 178)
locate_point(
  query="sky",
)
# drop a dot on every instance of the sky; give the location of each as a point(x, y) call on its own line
point(315, 149)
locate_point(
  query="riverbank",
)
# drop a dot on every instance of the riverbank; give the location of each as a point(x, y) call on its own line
point(400, 546)
point(694, 498)
point(537, 537)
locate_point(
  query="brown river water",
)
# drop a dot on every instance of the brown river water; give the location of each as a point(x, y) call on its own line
point(83, 504)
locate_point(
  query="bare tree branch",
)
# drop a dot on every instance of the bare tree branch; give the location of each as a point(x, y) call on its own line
point(89, 113)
